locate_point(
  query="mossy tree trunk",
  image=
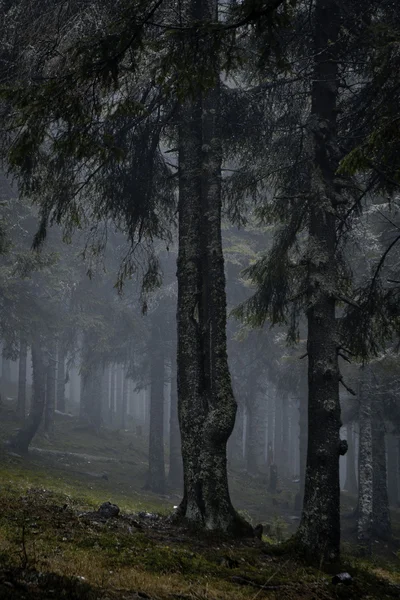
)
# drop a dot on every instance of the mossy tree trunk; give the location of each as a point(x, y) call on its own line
point(23, 354)
point(25, 435)
point(319, 530)
point(207, 407)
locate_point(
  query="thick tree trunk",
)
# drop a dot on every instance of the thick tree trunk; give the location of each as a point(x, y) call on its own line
point(23, 353)
point(156, 474)
point(175, 475)
point(365, 463)
point(207, 407)
point(319, 531)
point(25, 435)
point(381, 523)
point(393, 470)
point(61, 404)
point(351, 477)
point(303, 442)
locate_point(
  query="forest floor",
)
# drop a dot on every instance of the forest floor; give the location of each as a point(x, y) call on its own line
point(54, 544)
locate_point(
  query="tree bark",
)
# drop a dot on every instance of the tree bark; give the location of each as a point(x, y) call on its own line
point(175, 475)
point(351, 478)
point(207, 407)
point(319, 531)
point(365, 463)
point(23, 353)
point(25, 435)
point(381, 522)
point(156, 474)
point(61, 404)
point(393, 470)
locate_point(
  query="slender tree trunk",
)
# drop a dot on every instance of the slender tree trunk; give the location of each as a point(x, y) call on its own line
point(256, 418)
point(61, 404)
point(351, 478)
point(365, 463)
point(319, 531)
point(284, 471)
point(207, 407)
point(118, 396)
point(23, 353)
point(91, 397)
point(381, 522)
point(50, 390)
point(25, 435)
point(278, 431)
point(175, 476)
point(112, 395)
point(156, 474)
point(124, 407)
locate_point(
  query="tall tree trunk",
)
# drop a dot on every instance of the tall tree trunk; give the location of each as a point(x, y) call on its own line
point(119, 374)
point(365, 463)
point(25, 435)
point(111, 418)
point(124, 407)
point(61, 405)
point(303, 442)
point(207, 407)
point(319, 531)
point(351, 478)
point(381, 522)
point(256, 438)
point(278, 430)
point(23, 353)
point(91, 397)
point(393, 470)
point(175, 475)
point(235, 444)
point(6, 370)
point(156, 474)
point(50, 389)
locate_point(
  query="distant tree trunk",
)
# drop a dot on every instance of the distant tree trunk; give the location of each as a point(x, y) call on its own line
point(270, 428)
point(124, 407)
point(175, 475)
point(351, 477)
point(393, 470)
point(319, 530)
point(284, 471)
point(256, 438)
point(6, 370)
point(61, 405)
point(278, 430)
point(119, 374)
point(112, 395)
point(105, 396)
point(365, 463)
point(91, 397)
point(207, 407)
point(23, 353)
point(50, 389)
point(156, 473)
point(381, 523)
point(25, 435)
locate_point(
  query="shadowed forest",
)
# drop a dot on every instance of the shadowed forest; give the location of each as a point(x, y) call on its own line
point(199, 299)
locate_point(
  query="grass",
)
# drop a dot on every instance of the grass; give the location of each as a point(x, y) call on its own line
point(50, 547)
